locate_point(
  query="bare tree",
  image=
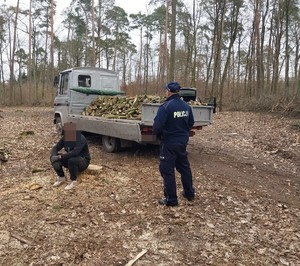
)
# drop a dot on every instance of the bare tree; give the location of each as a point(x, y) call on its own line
point(29, 63)
point(52, 9)
point(93, 59)
point(218, 21)
point(233, 31)
point(193, 79)
point(12, 57)
point(173, 40)
point(166, 52)
point(138, 22)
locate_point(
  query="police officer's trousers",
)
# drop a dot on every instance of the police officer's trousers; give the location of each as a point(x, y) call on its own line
point(174, 155)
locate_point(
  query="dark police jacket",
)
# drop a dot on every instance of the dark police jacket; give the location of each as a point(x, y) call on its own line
point(173, 120)
point(78, 148)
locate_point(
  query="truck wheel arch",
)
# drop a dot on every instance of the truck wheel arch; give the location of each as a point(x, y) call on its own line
point(111, 144)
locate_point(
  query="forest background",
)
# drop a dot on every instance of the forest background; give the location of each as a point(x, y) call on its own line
point(243, 52)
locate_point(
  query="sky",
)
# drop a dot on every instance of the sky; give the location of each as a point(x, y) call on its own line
point(133, 6)
point(130, 6)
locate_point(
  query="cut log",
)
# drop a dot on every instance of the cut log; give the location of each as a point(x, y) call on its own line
point(93, 169)
point(91, 172)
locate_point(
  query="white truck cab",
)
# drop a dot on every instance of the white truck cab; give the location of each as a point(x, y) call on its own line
point(75, 89)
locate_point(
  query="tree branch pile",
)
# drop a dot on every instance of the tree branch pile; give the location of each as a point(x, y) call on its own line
point(120, 107)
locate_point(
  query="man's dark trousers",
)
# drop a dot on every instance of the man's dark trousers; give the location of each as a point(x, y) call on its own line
point(74, 164)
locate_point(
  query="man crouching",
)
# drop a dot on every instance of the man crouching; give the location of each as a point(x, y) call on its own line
point(75, 155)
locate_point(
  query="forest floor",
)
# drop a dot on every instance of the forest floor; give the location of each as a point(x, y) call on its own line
point(246, 169)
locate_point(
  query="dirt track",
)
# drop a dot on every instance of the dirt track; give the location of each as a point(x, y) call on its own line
point(247, 175)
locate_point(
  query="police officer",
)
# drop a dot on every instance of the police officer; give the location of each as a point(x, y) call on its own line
point(172, 124)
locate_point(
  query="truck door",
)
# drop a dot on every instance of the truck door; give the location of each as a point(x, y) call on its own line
point(64, 83)
point(62, 99)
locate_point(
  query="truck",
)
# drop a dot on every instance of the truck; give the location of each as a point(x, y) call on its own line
point(77, 87)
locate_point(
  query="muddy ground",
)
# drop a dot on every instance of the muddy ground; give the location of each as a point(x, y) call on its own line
point(246, 169)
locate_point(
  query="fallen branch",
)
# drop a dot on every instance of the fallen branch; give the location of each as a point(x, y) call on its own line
point(21, 239)
point(138, 256)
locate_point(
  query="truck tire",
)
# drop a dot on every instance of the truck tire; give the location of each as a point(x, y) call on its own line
point(111, 144)
point(58, 125)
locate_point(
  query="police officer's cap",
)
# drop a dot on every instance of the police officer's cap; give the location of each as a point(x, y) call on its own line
point(173, 86)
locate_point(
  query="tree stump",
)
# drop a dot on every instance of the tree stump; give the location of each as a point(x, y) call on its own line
point(90, 173)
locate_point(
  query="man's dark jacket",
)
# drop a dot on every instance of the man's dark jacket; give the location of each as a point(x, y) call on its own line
point(80, 148)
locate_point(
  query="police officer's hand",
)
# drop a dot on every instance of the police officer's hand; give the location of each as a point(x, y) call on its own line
point(55, 158)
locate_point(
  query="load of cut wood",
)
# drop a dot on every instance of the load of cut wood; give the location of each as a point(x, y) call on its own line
point(197, 103)
point(120, 107)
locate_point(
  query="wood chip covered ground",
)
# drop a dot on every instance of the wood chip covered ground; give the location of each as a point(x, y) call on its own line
point(246, 170)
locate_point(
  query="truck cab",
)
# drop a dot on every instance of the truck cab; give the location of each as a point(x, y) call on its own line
point(188, 94)
point(77, 87)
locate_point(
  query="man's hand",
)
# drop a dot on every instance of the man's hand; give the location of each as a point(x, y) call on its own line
point(55, 158)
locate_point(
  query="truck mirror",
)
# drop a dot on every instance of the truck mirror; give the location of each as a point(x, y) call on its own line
point(55, 82)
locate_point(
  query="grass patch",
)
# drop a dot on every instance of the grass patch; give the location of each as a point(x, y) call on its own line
point(57, 207)
point(296, 126)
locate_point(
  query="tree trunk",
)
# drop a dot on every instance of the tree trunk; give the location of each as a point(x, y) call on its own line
point(233, 34)
point(287, 52)
point(269, 60)
point(262, 47)
point(219, 24)
point(86, 34)
point(93, 61)
point(160, 66)
point(52, 45)
point(124, 68)
point(12, 58)
point(297, 68)
point(277, 16)
point(139, 69)
point(166, 61)
point(173, 35)
point(211, 91)
point(193, 78)
point(2, 79)
point(29, 66)
point(44, 73)
point(257, 40)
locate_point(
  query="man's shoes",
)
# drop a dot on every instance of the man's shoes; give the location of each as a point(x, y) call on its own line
point(59, 181)
point(165, 203)
point(188, 198)
point(71, 185)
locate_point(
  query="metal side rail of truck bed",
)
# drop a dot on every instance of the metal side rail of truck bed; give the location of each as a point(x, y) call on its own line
point(117, 128)
point(203, 114)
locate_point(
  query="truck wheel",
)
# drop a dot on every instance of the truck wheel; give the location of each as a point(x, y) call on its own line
point(58, 125)
point(111, 144)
